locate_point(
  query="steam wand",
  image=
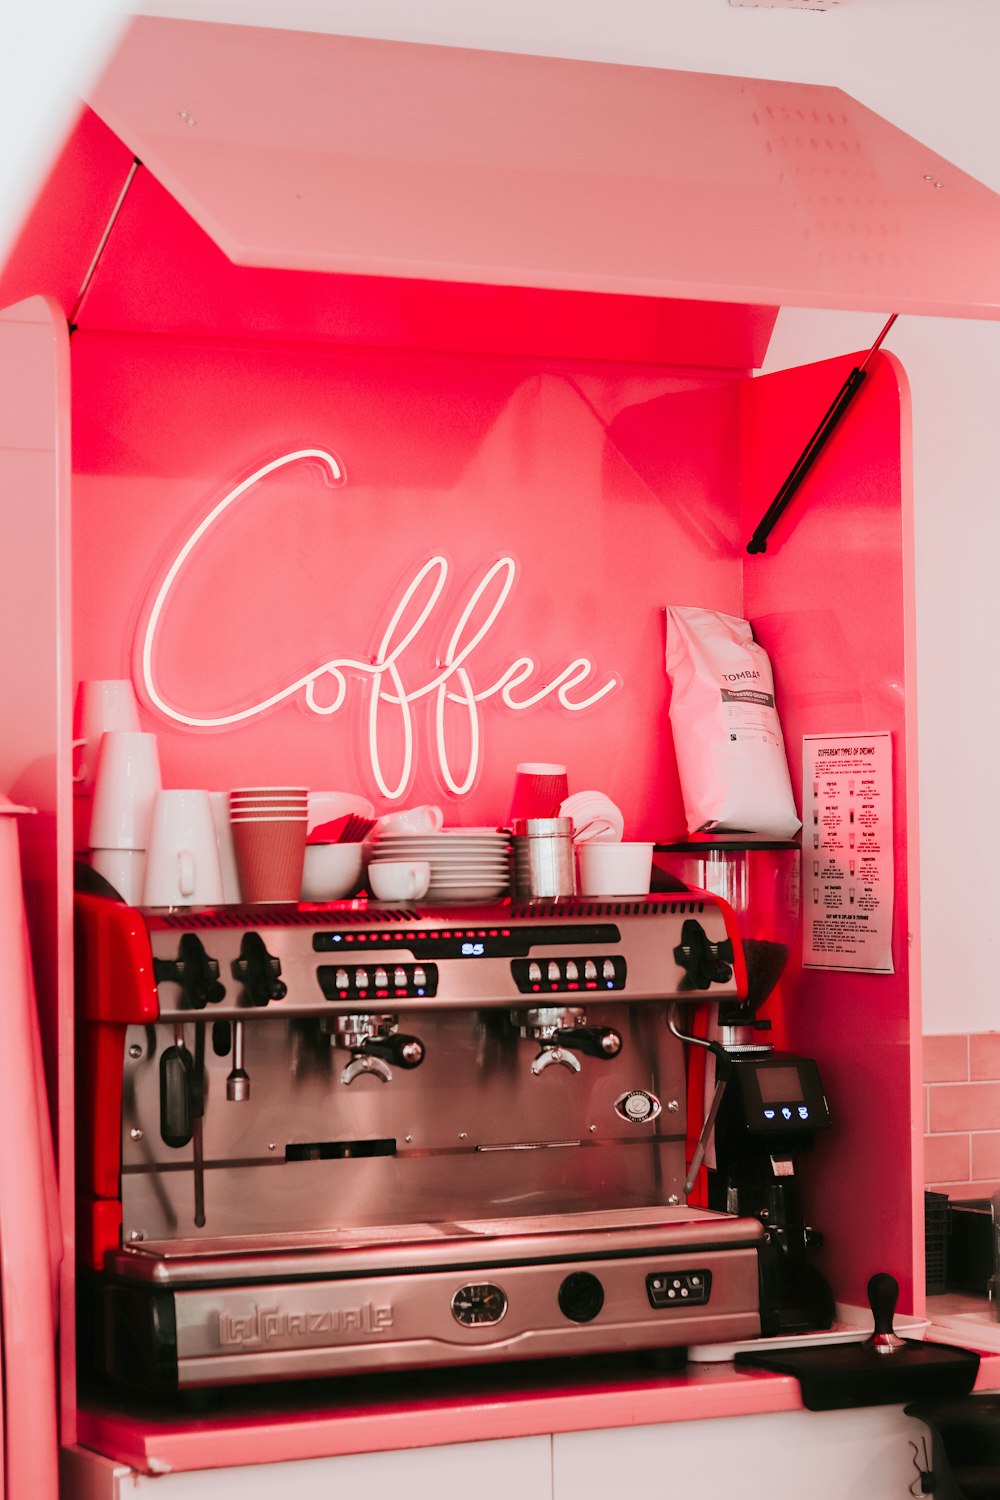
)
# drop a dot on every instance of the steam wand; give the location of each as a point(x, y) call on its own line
point(723, 1068)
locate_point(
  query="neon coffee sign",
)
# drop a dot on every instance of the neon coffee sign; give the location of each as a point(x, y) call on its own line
point(325, 688)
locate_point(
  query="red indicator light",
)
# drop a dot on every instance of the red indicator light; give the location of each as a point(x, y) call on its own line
point(400, 992)
point(572, 986)
point(591, 984)
point(381, 994)
point(505, 932)
point(493, 932)
point(343, 994)
point(536, 986)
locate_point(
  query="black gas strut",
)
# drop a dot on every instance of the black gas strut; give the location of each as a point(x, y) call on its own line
point(804, 462)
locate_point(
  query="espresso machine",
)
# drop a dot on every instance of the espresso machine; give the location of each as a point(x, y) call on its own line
point(359, 1138)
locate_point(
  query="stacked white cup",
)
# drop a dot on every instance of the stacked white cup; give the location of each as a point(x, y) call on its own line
point(126, 782)
point(101, 705)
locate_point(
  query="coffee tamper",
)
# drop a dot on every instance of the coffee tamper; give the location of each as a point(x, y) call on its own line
point(883, 1293)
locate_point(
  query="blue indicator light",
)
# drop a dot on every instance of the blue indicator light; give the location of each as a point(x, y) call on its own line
point(337, 937)
point(421, 992)
point(769, 1114)
point(786, 1112)
point(803, 1112)
point(473, 950)
point(610, 984)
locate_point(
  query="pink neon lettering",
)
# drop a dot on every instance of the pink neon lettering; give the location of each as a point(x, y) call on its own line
point(325, 688)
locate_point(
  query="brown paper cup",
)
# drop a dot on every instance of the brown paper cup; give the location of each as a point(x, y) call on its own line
point(269, 857)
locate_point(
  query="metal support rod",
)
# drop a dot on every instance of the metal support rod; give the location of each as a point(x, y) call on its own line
point(109, 226)
point(802, 465)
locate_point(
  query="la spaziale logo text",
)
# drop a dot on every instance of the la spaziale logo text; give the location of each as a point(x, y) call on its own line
point(391, 696)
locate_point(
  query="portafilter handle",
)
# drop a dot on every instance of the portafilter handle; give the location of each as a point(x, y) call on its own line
point(883, 1293)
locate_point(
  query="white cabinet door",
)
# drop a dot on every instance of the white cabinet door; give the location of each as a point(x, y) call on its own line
point(837, 1455)
point(515, 1469)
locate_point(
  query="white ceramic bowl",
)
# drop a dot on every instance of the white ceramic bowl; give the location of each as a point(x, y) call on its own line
point(614, 869)
point(325, 806)
point(331, 871)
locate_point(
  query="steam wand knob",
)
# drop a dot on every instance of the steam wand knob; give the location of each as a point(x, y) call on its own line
point(883, 1293)
point(238, 1079)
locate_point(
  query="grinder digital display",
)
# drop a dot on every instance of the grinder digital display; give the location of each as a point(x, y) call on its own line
point(779, 1093)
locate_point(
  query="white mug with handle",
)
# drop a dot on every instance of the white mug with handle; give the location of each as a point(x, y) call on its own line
point(103, 705)
point(182, 861)
point(399, 880)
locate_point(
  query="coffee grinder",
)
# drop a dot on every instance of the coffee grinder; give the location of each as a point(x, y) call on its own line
point(765, 1107)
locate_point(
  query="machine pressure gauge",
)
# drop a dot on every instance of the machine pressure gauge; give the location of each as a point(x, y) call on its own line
point(637, 1107)
point(481, 1302)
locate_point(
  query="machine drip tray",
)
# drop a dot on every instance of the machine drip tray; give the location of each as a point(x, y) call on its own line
point(384, 1248)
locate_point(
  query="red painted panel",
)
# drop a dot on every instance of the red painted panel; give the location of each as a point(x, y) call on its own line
point(64, 226)
point(828, 602)
point(610, 489)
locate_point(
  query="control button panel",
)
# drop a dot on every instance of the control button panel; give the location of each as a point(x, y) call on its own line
point(566, 975)
point(377, 981)
point(678, 1288)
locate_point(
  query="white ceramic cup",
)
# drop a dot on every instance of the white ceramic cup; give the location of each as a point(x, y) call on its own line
point(614, 869)
point(126, 782)
point(182, 859)
point(231, 894)
point(399, 879)
point(101, 706)
point(122, 868)
point(425, 819)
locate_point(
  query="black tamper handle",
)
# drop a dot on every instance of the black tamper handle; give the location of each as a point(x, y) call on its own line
point(883, 1294)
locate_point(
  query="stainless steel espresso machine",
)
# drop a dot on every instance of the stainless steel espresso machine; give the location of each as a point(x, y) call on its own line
point(320, 1141)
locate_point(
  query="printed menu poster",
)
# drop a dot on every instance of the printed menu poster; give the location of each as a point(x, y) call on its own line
point(847, 867)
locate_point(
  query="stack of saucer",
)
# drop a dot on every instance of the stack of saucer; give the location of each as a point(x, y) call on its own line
point(595, 818)
point(467, 864)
